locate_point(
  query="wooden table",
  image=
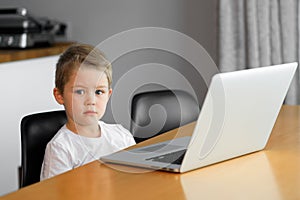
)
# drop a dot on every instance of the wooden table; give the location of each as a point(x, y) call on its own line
point(273, 173)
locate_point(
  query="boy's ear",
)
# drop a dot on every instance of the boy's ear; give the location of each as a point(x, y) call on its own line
point(109, 92)
point(58, 96)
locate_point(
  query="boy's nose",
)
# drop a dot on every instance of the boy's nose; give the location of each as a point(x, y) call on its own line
point(91, 99)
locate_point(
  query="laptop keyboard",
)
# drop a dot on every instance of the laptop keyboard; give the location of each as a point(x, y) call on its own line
point(175, 157)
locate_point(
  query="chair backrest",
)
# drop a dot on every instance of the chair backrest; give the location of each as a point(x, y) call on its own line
point(179, 107)
point(36, 131)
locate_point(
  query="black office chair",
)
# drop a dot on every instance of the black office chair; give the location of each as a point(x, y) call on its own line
point(179, 108)
point(36, 131)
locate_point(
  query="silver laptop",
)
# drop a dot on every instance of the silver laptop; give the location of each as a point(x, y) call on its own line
point(237, 117)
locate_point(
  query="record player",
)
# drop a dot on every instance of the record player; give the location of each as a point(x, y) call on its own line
point(20, 30)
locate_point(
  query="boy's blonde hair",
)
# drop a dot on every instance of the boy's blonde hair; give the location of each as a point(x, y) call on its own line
point(80, 55)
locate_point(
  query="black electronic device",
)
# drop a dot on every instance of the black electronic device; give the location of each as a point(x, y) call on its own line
point(20, 30)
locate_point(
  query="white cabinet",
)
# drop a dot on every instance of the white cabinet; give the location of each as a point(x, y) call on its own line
point(26, 87)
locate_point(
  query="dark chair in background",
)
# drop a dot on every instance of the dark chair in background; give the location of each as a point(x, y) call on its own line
point(36, 131)
point(175, 108)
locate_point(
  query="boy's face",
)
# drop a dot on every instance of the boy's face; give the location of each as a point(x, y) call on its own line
point(85, 97)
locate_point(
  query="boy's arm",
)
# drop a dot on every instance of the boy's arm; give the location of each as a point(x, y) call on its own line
point(56, 161)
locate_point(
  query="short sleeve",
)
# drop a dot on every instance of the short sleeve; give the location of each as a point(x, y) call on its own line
point(56, 161)
point(128, 136)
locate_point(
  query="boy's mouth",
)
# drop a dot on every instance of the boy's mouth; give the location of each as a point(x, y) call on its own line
point(90, 112)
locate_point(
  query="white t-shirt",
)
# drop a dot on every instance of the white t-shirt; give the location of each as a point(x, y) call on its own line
point(68, 150)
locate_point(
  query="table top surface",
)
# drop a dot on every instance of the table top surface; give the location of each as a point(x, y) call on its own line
point(273, 173)
point(8, 55)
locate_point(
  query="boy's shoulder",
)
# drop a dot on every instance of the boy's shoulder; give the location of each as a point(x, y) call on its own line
point(117, 135)
point(114, 128)
point(102, 123)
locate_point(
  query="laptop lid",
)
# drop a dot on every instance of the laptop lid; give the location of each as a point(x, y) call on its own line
point(238, 114)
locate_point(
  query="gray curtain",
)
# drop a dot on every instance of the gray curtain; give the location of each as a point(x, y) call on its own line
point(256, 33)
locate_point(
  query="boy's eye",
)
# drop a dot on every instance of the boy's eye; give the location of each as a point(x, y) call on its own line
point(81, 92)
point(99, 92)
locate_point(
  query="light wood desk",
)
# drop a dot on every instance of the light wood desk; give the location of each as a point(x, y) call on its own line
point(273, 173)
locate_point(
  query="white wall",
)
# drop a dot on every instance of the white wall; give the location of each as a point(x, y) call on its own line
point(26, 87)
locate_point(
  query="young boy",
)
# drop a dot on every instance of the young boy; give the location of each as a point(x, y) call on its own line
point(83, 86)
